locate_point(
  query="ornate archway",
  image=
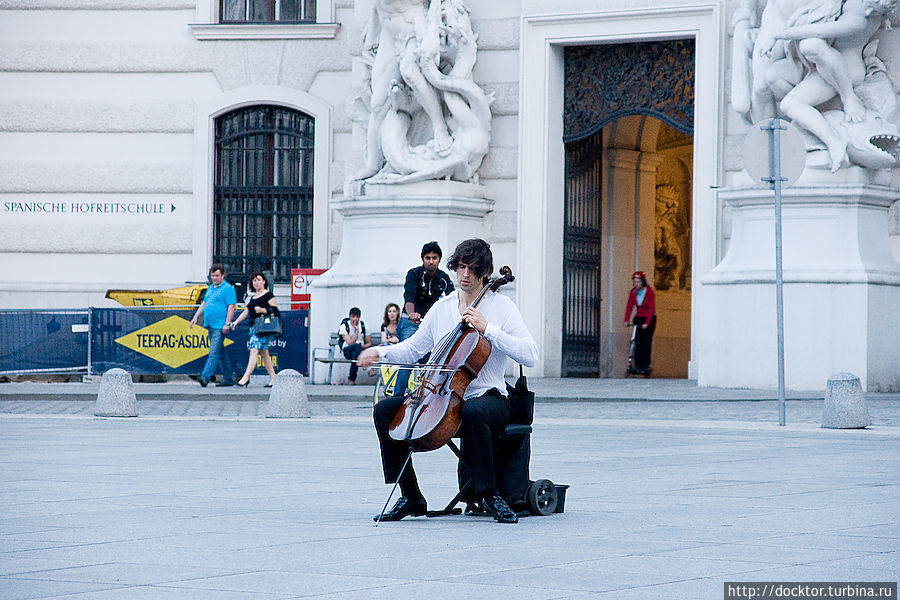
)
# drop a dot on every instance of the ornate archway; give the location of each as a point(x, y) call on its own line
point(627, 128)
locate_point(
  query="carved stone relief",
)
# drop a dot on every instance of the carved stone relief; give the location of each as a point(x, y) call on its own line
point(815, 62)
point(425, 116)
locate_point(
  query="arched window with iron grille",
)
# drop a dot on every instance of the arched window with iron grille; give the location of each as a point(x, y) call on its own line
point(263, 196)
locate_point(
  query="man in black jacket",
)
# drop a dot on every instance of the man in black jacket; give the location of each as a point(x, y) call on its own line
point(424, 286)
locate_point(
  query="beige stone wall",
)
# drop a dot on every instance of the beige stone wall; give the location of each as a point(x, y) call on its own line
point(99, 106)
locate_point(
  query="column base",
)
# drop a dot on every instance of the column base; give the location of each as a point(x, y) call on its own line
point(383, 233)
point(841, 291)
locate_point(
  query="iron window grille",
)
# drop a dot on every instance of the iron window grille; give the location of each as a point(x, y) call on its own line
point(263, 195)
point(267, 11)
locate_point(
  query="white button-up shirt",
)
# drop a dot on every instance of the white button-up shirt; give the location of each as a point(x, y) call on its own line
point(505, 330)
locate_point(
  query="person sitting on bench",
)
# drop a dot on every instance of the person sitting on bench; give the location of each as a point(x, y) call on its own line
point(353, 340)
point(485, 411)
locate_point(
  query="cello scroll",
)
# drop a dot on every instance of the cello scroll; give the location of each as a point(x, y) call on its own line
point(506, 276)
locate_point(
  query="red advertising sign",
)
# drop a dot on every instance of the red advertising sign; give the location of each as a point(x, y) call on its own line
point(300, 279)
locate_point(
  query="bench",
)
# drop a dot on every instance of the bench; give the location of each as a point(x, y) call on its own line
point(333, 354)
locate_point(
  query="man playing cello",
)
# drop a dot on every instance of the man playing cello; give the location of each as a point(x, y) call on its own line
point(485, 411)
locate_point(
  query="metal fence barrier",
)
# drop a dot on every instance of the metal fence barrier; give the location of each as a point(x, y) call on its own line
point(43, 341)
point(141, 341)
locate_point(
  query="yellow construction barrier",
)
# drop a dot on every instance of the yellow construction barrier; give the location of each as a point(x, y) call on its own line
point(180, 296)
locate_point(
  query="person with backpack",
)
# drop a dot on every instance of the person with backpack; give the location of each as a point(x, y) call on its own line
point(353, 340)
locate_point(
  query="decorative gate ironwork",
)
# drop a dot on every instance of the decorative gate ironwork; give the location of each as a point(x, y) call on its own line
point(609, 81)
point(581, 259)
point(263, 198)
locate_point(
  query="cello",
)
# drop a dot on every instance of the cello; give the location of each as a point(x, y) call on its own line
point(431, 415)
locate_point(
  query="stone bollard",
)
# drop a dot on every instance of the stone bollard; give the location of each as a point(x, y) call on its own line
point(116, 397)
point(845, 404)
point(288, 399)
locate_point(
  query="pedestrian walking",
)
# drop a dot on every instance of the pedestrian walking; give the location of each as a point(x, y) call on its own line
point(217, 309)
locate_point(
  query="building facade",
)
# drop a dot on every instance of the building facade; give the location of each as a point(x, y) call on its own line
point(142, 140)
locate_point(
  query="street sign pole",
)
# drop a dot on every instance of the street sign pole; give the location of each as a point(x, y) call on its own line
point(786, 160)
point(775, 179)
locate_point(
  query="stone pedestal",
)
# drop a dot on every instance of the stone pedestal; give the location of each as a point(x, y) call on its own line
point(288, 399)
point(384, 229)
point(116, 397)
point(845, 404)
point(841, 290)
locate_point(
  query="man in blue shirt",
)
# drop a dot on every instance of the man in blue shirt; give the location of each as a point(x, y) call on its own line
point(217, 309)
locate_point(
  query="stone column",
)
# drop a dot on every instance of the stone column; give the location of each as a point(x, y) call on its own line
point(288, 399)
point(845, 404)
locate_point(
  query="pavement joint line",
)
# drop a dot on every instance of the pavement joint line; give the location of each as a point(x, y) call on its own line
point(879, 430)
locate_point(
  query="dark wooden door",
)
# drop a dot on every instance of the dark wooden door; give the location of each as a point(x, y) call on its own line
point(581, 259)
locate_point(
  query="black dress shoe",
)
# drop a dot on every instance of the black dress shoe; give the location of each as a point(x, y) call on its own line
point(203, 381)
point(404, 508)
point(499, 509)
point(475, 509)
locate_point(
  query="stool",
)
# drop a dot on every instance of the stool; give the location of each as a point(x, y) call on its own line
point(512, 430)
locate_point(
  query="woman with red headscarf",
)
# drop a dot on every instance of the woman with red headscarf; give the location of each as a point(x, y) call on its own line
point(642, 303)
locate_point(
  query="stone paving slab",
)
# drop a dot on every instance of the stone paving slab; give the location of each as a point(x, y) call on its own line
point(163, 507)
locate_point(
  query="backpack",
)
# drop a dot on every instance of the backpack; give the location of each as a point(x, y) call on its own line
point(346, 323)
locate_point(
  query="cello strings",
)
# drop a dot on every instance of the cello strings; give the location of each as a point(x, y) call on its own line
point(435, 365)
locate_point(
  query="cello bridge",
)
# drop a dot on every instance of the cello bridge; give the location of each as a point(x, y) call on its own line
point(428, 386)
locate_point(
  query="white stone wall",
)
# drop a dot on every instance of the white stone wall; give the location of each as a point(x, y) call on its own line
point(104, 182)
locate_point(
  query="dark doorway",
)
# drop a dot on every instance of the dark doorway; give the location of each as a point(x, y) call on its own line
point(581, 258)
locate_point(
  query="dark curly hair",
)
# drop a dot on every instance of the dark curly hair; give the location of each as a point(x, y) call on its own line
point(432, 247)
point(477, 254)
point(253, 276)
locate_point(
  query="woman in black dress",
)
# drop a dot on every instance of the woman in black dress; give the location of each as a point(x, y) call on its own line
point(262, 303)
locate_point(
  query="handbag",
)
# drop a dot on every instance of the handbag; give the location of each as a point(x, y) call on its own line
point(268, 325)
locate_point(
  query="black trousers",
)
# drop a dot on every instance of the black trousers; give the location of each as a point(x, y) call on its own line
point(483, 418)
point(352, 352)
point(643, 343)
